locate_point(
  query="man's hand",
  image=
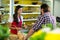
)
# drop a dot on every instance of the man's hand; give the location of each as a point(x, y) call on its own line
point(25, 38)
point(29, 34)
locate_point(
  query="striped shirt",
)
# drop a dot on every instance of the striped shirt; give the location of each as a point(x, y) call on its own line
point(43, 19)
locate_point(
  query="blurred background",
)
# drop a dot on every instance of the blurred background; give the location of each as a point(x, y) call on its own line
point(31, 10)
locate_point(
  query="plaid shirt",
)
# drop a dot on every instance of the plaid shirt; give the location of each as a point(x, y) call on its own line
point(43, 19)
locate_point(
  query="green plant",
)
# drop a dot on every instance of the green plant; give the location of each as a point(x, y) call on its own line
point(48, 25)
point(4, 32)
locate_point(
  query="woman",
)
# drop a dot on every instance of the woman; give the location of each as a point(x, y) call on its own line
point(16, 21)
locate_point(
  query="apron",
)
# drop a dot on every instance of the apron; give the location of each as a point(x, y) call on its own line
point(19, 25)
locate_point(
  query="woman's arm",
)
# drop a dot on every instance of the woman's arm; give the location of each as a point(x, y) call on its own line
point(11, 27)
point(18, 28)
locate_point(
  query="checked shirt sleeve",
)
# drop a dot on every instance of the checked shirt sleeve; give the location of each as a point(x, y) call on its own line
point(38, 23)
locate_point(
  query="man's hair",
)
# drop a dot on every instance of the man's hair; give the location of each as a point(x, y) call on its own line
point(45, 7)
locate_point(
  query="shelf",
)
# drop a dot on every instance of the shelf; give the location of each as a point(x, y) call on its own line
point(1, 9)
point(29, 19)
point(2, 23)
point(31, 13)
point(25, 5)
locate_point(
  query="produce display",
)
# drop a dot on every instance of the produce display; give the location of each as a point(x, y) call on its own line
point(49, 25)
point(46, 34)
point(4, 32)
point(52, 36)
point(38, 35)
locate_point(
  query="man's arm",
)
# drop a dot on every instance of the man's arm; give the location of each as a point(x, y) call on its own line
point(35, 27)
point(29, 34)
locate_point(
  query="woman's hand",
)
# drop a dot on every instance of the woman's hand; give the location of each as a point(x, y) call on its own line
point(25, 26)
point(13, 27)
point(18, 28)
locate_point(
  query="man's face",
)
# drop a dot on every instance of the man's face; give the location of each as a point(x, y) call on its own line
point(42, 12)
point(49, 8)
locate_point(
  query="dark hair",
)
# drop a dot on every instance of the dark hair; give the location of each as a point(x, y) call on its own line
point(45, 7)
point(15, 18)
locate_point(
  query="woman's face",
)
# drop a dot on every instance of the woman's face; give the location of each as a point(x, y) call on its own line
point(19, 10)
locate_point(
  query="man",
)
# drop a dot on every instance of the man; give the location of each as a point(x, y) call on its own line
point(44, 18)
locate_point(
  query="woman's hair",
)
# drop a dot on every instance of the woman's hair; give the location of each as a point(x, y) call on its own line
point(15, 16)
point(45, 7)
